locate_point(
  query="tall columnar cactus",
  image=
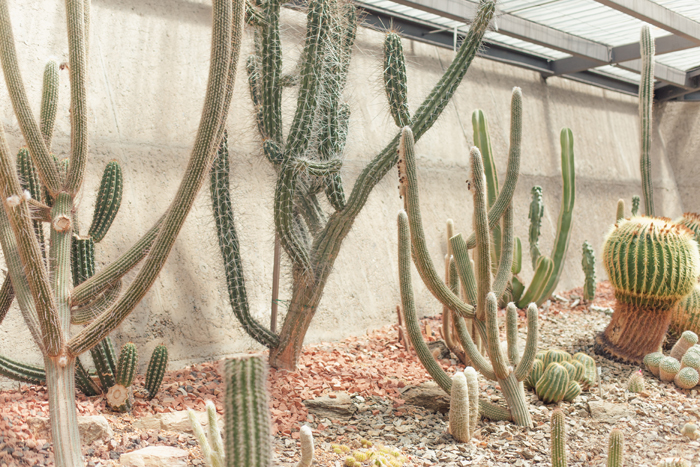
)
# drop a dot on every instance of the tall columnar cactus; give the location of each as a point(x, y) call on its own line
point(646, 103)
point(548, 269)
point(41, 281)
point(509, 371)
point(558, 441)
point(652, 264)
point(535, 216)
point(588, 265)
point(308, 160)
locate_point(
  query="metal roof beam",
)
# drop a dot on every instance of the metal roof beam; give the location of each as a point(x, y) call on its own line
point(669, 92)
point(513, 26)
point(653, 13)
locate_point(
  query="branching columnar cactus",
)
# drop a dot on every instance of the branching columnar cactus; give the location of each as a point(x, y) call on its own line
point(588, 265)
point(41, 279)
point(309, 159)
point(509, 371)
point(652, 264)
point(646, 103)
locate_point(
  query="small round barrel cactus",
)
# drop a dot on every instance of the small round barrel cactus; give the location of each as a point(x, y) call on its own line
point(652, 362)
point(652, 264)
point(691, 360)
point(535, 374)
point(590, 372)
point(668, 369)
point(555, 355)
point(686, 378)
point(553, 384)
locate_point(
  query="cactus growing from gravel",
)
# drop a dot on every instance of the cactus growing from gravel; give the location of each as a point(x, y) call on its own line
point(510, 371)
point(691, 360)
point(686, 378)
point(588, 265)
point(635, 383)
point(119, 395)
point(308, 159)
point(464, 411)
point(553, 384)
point(616, 449)
point(211, 443)
point(558, 376)
point(156, 370)
point(41, 280)
point(558, 442)
point(652, 264)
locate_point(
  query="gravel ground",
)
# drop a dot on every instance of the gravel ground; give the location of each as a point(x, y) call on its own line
point(376, 367)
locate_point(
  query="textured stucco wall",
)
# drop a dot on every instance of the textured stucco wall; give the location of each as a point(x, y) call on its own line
point(148, 63)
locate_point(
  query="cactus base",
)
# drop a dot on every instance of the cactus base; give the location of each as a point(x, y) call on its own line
point(633, 333)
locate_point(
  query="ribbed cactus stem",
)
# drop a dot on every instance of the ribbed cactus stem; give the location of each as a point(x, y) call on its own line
point(646, 101)
point(616, 449)
point(588, 265)
point(473, 390)
point(307, 447)
point(620, 210)
point(109, 198)
point(459, 409)
point(482, 140)
point(686, 341)
point(558, 439)
point(248, 439)
point(49, 102)
point(395, 83)
point(126, 367)
point(535, 215)
point(156, 370)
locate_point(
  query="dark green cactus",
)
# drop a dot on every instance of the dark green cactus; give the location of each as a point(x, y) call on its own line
point(126, 367)
point(553, 384)
point(29, 181)
point(22, 372)
point(156, 370)
point(588, 265)
point(395, 80)
point(82, 259)
point(109, 199)
point(84, 381)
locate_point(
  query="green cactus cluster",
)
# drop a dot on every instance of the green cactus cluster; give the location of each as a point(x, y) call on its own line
point(557, 376)
point(652, 265)
point(685, 373)
point(616, 443)
point(588, 265)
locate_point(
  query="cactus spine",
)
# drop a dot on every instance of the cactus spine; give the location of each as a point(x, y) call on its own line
point(646, 101)
point(652, 264)
point(211, 443)
point(588, 265)
point(310, 237)
point(156, 370)
point(558, 439)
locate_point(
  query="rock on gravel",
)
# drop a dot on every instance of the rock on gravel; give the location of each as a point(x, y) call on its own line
point(337, 405)
point(608, 412)
point(427, 395)
point(92, 428)
point(178, 421)
point(155, 456)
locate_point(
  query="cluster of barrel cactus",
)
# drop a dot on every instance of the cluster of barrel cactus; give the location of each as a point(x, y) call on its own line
point(682, 366)
point(547, 269)
point(652, 264)
point(557, 376)
point(616, 444)
point(309, 159)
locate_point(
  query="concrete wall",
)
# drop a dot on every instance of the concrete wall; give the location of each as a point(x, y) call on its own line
point(148, 63)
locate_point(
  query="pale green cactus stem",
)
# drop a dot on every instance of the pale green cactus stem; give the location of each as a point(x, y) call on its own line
point(49, 102)
point(248, 439)
point(588, 265)
point(686, 341)
point(646, 103)
point(620, 210)
point(616, 449)
point(635, 205)
point(212, 444)
point(652, 361)
point(395, 80)
point(635, 383)
point(413, 327)
point(535, 216)
point(473, 391)
point(459, 417)
point(156, 370)
point(558, 442)
point(652, 265)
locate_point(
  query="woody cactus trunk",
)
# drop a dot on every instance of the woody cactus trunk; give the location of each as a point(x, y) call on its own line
point(309, 158)
point(44, 289)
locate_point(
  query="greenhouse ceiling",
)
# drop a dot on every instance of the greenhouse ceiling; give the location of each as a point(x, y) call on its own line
point(593, 41)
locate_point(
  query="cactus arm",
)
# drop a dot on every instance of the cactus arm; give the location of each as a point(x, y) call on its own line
point(480, 363)
point(90, 290)
point(566, 213)
point(535, 216)
point(620, 210)
point(48, 172)
point(49, 102)
point(426, 269)
point(512, 334)
point(523, 368)
point(60, 257)
point(285, 224)
point(482, 140)
point(230, 249)
point(77, 59)
point(24, 373)
point(217, 443)
point(513, 168)
point(517, 256)
point(213, 117)
point(482, 256)
point(646, 103)
point(539, 281)
point(7, 296)
point(498, 360)
point(318, 19)
point(109, 199)
point(200, 436)
point(505, 265)
point(395, 85)
point(85, 314)
point(465, 269)
point(271, 71)
point(29, 252)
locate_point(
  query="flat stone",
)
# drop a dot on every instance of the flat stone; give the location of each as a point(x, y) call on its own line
point(91, 427)
point(608, 412)
point(172, 421)
point(439, 349)
point(155, 456)
point(428, 395)
point(338, 407)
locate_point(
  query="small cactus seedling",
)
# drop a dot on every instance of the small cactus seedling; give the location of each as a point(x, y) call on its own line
point(635, 383)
